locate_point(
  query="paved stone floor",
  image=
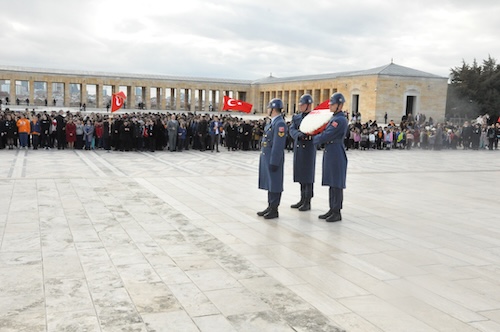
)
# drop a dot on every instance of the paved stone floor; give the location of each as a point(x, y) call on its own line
point(96, 241)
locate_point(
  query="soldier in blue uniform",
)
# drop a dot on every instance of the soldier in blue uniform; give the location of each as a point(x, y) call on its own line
point(272, 158)
point(304, 155)
point(334, 157)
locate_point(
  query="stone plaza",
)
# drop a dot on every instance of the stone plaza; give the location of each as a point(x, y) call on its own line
point(140, 241)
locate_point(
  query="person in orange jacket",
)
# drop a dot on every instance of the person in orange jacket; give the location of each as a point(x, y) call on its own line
point(24, 129)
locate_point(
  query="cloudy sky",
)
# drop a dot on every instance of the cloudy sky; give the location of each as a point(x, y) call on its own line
point(247, 39)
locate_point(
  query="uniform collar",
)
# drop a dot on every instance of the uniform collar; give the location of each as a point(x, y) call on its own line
point(274, 118)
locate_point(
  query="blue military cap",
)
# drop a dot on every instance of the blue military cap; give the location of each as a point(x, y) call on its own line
point(305, 99)
point(337, 98)
point(275, 103)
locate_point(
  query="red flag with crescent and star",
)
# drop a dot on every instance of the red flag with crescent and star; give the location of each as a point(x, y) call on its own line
point(117, 100)
point(236, 105)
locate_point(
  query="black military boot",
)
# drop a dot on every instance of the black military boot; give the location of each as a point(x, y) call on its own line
point(336, 216)
point(306, 206)
point(262, 213)
point(299, 204)
point(326, 215)
point(273, 213)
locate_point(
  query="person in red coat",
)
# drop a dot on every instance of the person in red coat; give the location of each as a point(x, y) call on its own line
point(70, 133)
point(98, 134)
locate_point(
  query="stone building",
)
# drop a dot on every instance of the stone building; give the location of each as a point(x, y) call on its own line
point(392, 88)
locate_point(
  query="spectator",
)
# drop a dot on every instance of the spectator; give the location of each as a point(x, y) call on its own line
point(79, 134)
point(45, 132)
point(35, 131)
point(10, 131)
point(172, 129)
point(181, 136)
point(88, 134)
point(70, 133)
point(23, 129)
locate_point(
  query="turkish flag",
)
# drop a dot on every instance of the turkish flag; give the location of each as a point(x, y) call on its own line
point(122, 95)
point(117, 100)
point(236, 105)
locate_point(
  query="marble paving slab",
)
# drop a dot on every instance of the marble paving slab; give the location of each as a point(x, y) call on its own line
point(96, 241)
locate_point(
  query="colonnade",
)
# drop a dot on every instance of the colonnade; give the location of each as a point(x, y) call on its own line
point(160, 94)
point(67, 92)
point(291, 97)
point(392, 88)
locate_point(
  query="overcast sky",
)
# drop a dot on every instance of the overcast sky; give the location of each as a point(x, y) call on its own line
point(247, 39)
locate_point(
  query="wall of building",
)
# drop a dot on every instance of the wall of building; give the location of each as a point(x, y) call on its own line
point(165, 87)
point(377, 93)
point(392, 93)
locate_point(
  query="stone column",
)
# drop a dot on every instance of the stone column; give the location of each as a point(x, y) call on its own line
point(325, 94)
point(260, 102)
point(185, 100)
point(293, 99)
point(286, 102)
point(215, 104)
point(98, 95)
point(146, 95)
point(200, 101)
point(131, 97)
point(177, 99)
point(190, 100)
point(49, 93)
point(207, 100)
point(316, 97)
point(173, 98)
point(221, 98)
point(297, 98)
point(32, 92)
point(12, 93)
point(83, 93)
point(67, 98)
point(160, 98)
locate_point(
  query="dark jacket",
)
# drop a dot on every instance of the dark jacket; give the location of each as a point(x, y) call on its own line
point(273, 155)
point(304, 152)
point(334, 156)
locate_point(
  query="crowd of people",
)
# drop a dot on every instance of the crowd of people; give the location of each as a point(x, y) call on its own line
point(141, 131)
point(134, 131)
point(481, 133)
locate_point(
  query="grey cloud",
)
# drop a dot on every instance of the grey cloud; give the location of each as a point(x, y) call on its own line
point(249, 38)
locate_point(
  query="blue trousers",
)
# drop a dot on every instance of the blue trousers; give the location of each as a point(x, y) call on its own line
point(336, 198)
point(306, 190)
point(273, 199)
point(23, 139)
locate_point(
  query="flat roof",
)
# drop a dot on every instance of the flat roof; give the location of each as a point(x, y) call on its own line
point(391, 69)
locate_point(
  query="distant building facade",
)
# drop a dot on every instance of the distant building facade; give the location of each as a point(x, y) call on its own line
point(394, 89)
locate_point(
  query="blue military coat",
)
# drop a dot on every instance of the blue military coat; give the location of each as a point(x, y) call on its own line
point(334, 157)
point(304, 152)
point(273, 153)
